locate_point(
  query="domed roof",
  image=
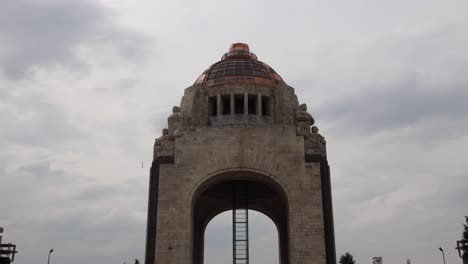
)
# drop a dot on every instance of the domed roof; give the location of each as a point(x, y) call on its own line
point(239, 66)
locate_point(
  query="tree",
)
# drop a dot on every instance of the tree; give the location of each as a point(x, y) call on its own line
point(465, 231)
point(347, 259)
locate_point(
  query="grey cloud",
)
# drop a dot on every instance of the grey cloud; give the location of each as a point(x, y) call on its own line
point(407, 197)
point(391, 80)
point(38, 34)
point(53, 208)
point(31, 119)
point(407, 103)
point(97, 192)
point(42, 172)
point(424, 222)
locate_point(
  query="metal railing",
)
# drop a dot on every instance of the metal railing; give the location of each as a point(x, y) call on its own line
point(235, 53)
point(240, 119)
point(7, 253)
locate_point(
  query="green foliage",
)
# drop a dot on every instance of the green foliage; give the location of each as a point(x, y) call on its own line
point(465, 231)
point(347, 259)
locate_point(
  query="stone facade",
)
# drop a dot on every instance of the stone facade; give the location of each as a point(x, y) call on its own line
point(214, 138)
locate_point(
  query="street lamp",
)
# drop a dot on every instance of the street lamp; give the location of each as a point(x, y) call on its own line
point(443, 255)
point(48, 259)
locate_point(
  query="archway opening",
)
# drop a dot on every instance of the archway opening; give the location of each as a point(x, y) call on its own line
point(263, 239)
point(264, 198)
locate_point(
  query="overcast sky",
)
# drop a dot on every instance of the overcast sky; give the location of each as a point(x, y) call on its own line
point(86, 86)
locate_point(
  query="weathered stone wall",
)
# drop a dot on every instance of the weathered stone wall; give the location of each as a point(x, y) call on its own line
point(276, 152)
point(285, 105)
point(194, 106)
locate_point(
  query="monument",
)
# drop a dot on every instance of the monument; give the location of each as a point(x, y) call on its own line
point(240, 140)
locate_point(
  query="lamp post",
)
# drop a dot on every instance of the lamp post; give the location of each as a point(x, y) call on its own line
point(443, 255)
point(48, 259)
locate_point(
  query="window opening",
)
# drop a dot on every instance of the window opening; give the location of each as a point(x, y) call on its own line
point(239, 104)
point(266, 106)
point(213, 106)
point(252, 104)
point(226, 104)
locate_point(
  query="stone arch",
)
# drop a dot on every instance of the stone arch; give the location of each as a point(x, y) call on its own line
point(213, 195)
point(238, 173)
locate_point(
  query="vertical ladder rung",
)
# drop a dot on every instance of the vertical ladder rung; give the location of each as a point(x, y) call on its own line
point(240, 224)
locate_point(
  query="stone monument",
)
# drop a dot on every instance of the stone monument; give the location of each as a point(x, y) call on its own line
point(240, 126)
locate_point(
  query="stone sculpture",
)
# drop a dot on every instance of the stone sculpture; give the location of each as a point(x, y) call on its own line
point(164, 145)
point(176, 122)
point(304, 121)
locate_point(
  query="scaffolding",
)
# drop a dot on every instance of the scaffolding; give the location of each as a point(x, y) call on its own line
point(7, 251)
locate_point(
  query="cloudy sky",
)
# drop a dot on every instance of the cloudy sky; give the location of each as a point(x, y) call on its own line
point(86, 86)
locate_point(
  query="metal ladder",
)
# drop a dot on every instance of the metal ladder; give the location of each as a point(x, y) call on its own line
point(240, 224)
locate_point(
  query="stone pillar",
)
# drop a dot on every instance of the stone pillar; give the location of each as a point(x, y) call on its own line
point(259, 107)
point(259, 104)
point(271, 106)
point(218, 107)
point(232, 108)
point(246, 107)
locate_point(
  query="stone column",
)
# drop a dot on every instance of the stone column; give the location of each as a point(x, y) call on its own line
point(218, 107)
point(246, 107)
point(259, 104)
point(270, 102)
point(259, 107)
point(233, 118)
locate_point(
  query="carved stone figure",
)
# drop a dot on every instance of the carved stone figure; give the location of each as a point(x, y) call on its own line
point(315, 144)
point(176, 122)
point(164, 145)
point(315, 130)
point(303, 121)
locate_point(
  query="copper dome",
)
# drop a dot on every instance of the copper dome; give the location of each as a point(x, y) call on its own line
point(239, 66)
